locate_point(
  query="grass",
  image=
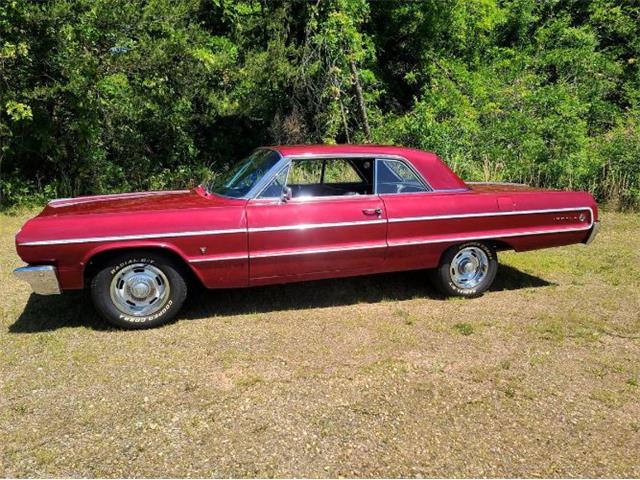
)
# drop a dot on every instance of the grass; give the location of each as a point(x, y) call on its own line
point(371, 376)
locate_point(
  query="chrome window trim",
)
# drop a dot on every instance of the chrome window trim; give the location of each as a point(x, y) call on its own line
point(286, 161)
point(287, 166)
point(262, 183)
point(302, 200)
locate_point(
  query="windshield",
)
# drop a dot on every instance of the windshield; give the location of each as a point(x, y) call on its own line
point(241, 178)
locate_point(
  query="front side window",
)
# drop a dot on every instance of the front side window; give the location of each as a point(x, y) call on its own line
point(274, 189)
point(239, 181)
point(394, 176)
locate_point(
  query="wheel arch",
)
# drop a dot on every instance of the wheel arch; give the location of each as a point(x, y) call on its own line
point(499, 245)
point(98, 257)
point(495, 244)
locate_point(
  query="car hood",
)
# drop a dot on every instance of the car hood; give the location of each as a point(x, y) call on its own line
point(135, 202)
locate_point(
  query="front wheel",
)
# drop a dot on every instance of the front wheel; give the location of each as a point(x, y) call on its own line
point(466, 270)
point(138, 290)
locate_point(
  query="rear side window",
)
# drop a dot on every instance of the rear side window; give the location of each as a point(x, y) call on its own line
point(305, 172)
point(340, 171)
point(394, 176)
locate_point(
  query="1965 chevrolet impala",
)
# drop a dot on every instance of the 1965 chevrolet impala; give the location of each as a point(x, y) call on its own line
point(292, 213)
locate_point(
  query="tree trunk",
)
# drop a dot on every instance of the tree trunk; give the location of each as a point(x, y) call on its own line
point(344, 121)
point(360, 96)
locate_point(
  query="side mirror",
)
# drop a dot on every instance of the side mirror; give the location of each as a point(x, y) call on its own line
point(285, 196)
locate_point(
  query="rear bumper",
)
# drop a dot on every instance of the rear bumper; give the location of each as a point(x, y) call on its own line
point(593, 232)
point(42, 278)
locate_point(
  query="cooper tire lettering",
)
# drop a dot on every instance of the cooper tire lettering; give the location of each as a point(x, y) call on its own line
point(442, 275)
point(102, 281)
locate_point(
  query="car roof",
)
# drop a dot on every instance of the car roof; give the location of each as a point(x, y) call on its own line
point(434, 170)
point(294, 150)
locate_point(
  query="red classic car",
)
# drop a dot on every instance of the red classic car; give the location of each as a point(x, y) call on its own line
point(292, 213)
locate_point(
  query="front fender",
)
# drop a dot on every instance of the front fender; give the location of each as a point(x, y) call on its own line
point(99, 250)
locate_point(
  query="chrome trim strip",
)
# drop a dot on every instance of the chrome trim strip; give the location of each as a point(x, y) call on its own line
point(312, 226)
point(219, 258)
point(42, 278)
point(117, 238)
point(309, 226)
point(490, 214)
point(285, 162)
point(311, 251)
point(484, 237)
point(392, 244)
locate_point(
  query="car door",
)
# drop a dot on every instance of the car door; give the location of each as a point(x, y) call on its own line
point(329, 226)
point(407, 196)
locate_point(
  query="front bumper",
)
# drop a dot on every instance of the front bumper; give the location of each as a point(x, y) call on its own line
point(593, 233)
point(42, 278)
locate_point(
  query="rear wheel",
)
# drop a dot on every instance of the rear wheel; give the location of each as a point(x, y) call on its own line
point(138, 290)
point(466, 270)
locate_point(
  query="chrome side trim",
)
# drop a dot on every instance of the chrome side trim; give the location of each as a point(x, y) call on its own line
point(309, 226)
point(218, 258)
point(484, 237)
point(117, 238)
point(42, 278)
point(311, 251)
point(593, 233)
point(492, 214)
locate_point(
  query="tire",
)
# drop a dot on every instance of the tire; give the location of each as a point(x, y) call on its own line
point(453, 279)
point(139, 290)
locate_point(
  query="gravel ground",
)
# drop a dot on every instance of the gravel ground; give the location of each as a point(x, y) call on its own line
point(371, 376)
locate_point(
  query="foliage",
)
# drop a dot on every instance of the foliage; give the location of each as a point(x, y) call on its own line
point(117, 95)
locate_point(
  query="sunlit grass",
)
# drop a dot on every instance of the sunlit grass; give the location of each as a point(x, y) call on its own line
point(370, 376)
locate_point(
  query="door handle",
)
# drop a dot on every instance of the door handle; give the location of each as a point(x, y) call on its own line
point(372, 211)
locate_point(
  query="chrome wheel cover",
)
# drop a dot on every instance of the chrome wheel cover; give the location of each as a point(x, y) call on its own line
point(139, 290)
point(469, 267)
